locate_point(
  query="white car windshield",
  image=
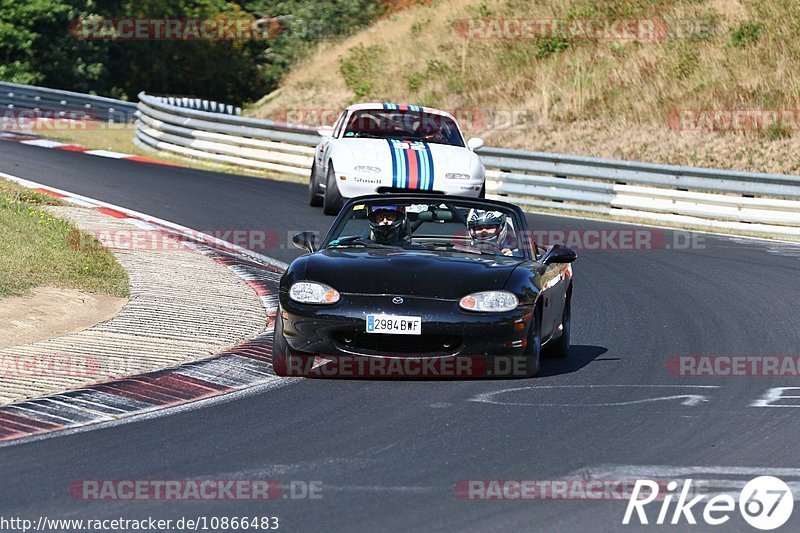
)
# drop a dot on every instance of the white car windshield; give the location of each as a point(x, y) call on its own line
point(404, 124)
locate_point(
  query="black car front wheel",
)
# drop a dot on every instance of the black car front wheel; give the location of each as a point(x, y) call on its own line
point(285, 361)
point(533, 350)
point(559, 348)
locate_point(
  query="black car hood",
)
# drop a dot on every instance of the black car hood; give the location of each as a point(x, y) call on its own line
point(407, 272)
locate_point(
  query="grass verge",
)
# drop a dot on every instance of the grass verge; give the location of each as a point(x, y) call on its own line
point(35, 250)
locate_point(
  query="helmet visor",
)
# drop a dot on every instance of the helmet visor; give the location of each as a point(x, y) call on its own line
point(384, 214)
point(485, 230)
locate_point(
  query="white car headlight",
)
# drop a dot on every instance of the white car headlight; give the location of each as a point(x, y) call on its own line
point(489, 301)
point(457, 176)
point(311, 292)
point(367, 169)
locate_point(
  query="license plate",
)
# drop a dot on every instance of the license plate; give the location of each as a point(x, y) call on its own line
point(397, 325)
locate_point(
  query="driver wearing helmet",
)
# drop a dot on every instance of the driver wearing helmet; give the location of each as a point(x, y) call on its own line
point(490, 228)
point(388, 224)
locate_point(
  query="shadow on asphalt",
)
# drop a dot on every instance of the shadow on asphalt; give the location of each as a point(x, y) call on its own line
point(580, 355)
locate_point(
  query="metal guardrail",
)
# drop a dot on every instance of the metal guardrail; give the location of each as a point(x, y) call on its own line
point(202, 105)
point(702, 197)
point(709, 198)
point(55, 103)
point(224, 138)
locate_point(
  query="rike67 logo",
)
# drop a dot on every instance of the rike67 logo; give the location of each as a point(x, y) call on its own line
point(765, 503)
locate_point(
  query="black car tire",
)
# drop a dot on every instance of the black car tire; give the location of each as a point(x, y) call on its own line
point(533, 350)
point(285, 361)
point(559, 348)
point(333, 198)
point(314, 191)
point(482, 194)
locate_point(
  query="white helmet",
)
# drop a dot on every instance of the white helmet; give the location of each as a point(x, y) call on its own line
point(487, 226)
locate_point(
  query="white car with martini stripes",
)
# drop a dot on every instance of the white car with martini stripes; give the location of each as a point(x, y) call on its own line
point(384, 148)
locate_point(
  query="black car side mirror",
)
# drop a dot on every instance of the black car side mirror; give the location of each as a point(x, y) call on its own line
point(305, 241)
point(559, 253)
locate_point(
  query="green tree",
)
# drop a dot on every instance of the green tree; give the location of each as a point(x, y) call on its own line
point(305, 22)
point(37, 46)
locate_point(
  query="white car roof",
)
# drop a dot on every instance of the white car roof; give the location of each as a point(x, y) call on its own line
point(391, 105)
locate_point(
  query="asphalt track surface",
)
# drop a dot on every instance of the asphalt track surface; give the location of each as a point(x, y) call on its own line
point(389, 453)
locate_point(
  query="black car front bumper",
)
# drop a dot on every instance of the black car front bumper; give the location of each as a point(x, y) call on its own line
point(447, 330)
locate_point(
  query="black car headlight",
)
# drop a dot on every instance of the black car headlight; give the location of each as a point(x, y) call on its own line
point(489, 301)
point(311, 292)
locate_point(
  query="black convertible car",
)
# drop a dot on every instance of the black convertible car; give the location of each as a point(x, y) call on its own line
point(424, 277)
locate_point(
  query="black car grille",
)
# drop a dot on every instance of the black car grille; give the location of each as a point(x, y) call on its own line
point(411, 345)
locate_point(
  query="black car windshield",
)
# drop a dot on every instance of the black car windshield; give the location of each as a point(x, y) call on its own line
point(413, 125)
point(449, 226)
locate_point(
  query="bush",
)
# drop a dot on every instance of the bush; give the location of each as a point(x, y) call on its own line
point(549, 46)
point(777, 131)
point(359, 68)
point(747, 33)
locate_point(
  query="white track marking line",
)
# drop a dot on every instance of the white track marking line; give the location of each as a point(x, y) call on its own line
point(643, 471)
point(711, 480)
point(107, 153)
point(43, 143)
point(689, 400)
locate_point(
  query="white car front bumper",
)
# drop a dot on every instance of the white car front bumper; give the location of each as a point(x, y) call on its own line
point(358, 184)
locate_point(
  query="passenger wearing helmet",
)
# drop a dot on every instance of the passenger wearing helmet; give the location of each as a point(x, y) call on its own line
point(489, 228)
point(388, 224)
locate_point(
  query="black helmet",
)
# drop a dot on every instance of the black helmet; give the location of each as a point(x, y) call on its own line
point(387, 222)
point(486, 226)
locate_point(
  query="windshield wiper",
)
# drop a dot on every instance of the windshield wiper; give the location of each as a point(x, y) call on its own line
point(477, 251)
point(458, 247)
point(446, 143)
point(367, 135)
point(357, 240)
